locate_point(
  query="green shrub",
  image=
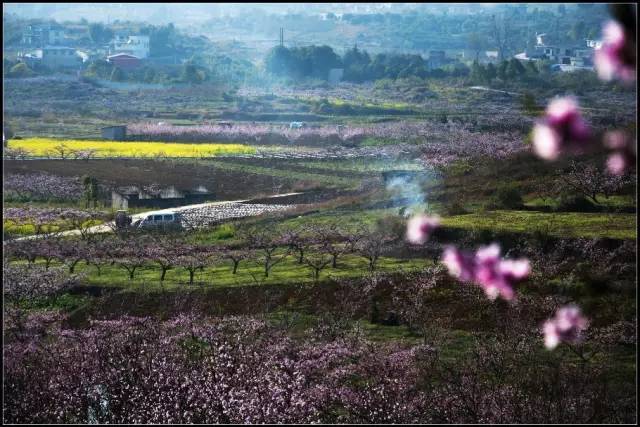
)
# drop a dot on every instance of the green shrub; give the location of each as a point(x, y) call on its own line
point(224, 231)
point(506, 197)
point(20, 70)
point(455, 207)
point(568, 202)
point(460, 167)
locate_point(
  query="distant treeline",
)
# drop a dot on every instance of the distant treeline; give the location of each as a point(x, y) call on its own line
point(358, 65)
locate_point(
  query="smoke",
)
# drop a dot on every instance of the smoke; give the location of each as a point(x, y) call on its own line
point(407, 191)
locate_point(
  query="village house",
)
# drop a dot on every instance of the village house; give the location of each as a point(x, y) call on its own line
point(40, 35)
point(567, 56)
point(132, 197)
point(137, 46)
point(54, 57)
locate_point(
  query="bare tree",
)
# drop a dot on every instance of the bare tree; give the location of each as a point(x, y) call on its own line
point(297, 240)
point(267, 249)
point(372, 246)
point(62, 151)
point(236, 256)
point(335, 241)
point(501, 34)
point(317, 261)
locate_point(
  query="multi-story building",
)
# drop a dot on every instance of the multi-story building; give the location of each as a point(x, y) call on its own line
point(40, 35)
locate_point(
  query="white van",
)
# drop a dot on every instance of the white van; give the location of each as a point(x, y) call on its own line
point(164, 220)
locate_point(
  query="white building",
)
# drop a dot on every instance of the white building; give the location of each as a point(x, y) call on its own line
point(133, 45)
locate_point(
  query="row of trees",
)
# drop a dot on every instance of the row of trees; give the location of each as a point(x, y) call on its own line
point(189, 72)
point(511, 69)
point(359, 66)
point(315, 247)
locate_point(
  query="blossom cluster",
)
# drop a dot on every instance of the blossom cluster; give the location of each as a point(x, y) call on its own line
point(566, 326)
point(616, 58)
point(494, 275)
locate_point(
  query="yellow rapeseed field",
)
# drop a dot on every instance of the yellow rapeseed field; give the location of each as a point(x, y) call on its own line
point(49, 147)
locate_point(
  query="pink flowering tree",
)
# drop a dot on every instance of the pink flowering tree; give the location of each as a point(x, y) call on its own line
point(590, 181)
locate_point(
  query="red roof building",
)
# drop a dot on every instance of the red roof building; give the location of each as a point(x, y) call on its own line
point(125, 61)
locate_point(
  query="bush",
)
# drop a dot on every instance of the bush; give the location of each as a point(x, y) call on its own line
point(392, 225)
point(223, 232)
point(569, 202)
point(455, 207)
point(506, 197)
point(20, 70)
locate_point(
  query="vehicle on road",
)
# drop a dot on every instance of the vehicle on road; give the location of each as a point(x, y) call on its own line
point(166, 220)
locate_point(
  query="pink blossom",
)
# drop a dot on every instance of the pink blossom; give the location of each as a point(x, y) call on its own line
point(612, 59)
point(566, 326)
point(493, 274)
point(420, 227)
point(623, 156)
point(562, 129)
point(615, 140)
point(617, 164)
point(461, 265)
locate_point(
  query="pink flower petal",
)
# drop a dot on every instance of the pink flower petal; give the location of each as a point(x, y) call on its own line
point(546, 142)
point(617, 164)
point(420, 227)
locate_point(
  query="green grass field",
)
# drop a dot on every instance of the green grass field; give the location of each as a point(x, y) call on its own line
point(220, 275)
point(559, 224)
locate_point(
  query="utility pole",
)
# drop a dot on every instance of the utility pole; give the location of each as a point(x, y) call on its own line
point(281, 37)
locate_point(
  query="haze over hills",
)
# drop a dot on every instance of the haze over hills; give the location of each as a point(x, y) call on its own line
point(192, 13)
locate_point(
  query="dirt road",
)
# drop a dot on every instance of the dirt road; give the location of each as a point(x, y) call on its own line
point(201, 214)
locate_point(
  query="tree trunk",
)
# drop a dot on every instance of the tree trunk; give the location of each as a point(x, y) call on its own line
point(72, 267)
point(235, 266)
point(191, 273)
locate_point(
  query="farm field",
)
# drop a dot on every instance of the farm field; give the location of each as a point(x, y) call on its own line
point(411, 244)
point(48, 147)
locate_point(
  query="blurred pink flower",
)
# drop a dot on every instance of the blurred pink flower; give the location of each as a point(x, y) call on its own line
point(420, 227)
point(616, 140)
point(624, 154)
point(617, 164)
point(461, 265)
point(493, 274)
point(562, 129)
point(566, 326)
point(612, 60)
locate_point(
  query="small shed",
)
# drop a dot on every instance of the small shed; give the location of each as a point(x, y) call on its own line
point(114, 133)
